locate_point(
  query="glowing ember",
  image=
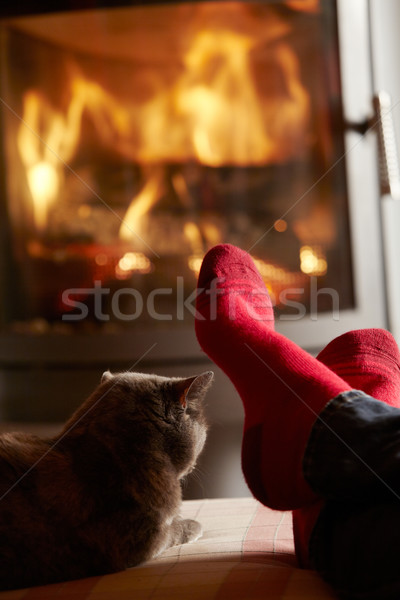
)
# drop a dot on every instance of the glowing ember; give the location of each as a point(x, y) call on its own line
point(312, 262)
point(133, 262)
point(280, 225)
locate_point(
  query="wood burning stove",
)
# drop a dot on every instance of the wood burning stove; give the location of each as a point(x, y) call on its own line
point(135, 138)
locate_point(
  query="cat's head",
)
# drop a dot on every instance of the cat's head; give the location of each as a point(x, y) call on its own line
point(161, 415)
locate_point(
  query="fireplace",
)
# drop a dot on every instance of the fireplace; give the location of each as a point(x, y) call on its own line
point(135, 138)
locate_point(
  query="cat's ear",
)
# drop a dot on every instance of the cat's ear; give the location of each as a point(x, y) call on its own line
point(194, 388)
point(106, 376)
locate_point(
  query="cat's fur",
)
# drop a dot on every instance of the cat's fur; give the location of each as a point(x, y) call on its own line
point(104, 494)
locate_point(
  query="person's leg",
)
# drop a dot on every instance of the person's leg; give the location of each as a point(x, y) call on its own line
point(369, 360)
point(234, 326)
point(352, 540)
point(282, 387)
point(355, 548)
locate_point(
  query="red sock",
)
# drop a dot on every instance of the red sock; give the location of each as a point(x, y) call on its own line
point(282, 387)
point(369, 360)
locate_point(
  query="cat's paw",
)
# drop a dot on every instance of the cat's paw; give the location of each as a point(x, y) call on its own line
point(191, 530)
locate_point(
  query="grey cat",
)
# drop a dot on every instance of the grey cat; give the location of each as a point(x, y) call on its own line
point(105, 493)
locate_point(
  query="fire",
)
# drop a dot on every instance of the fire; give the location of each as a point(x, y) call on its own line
point(140, 206)
point(215, 114)
point(226, 105)
point(43, 181)
point(49, 138)
point(236, 99)
point(38, 156)
point(220, 104)
point(193, 234)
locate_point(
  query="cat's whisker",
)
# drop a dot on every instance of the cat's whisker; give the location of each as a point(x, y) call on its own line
point(196, 477)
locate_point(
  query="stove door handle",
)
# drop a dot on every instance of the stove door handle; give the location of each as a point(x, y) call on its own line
point(388, 158)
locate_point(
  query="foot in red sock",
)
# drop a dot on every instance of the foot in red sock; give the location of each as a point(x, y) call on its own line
point(368, 360)
point(282, 387)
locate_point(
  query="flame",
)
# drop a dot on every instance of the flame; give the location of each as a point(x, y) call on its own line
point(140, 206)
point(192, 233)
point(48, 138)
point(223, 107)
point(43, 181)
point(214, 112)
